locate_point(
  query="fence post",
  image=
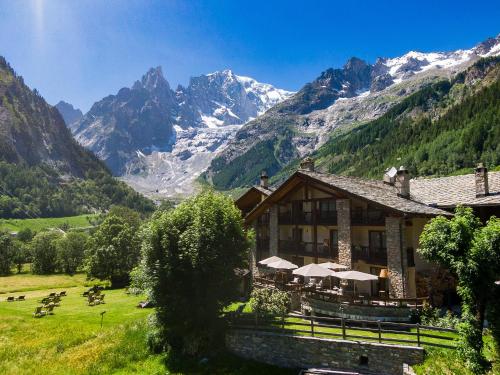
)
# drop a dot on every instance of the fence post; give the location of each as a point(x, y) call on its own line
point(379, 331)
point(312, 326)
point(418, 334)
point(342, 322)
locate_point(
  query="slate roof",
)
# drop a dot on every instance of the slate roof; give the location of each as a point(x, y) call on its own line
point(455, 190)
point(375, 191)
point(264, 190)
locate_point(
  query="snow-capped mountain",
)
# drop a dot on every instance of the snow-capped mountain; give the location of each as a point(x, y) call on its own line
point(141, 127)
point(224, 98)
point(339, 98)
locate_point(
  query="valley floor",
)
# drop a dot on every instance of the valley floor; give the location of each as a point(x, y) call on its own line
point(72, 340)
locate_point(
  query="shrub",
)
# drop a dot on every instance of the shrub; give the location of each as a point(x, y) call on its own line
point(270, 302)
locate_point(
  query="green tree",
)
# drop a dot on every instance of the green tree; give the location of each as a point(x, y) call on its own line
point(25, 235)
point(6, 253)
point(113, 251)
point(472, 253)
point(71, 251)
point(130, 216)
point(190, 254)
point(21, 254)
point(44, 252)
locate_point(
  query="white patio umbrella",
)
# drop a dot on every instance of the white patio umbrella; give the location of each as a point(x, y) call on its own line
point(355, 275)
point(282, 265)
point(270, 260)
point(313, 270)
point(333, 266)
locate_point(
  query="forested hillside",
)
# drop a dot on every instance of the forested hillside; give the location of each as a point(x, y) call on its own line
point(43, 171)
point(443, 129)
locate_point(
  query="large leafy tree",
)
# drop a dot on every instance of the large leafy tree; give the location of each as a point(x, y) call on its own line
point(6, 253)
point(44, 252)
point(70, 251)
point(472, 253)
point(113, 251)
point(190, 254)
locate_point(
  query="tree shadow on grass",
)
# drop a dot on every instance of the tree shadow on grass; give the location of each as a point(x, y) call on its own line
point(223, 363)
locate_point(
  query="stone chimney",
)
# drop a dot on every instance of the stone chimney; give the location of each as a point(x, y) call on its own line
point(390, 176)
point(402, 182)
point(481, 179)
point(264, 179)
point(307, 164)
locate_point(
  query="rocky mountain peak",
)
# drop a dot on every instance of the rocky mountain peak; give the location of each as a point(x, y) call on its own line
point(487, 46)
point(70, 114)
point(152, 80)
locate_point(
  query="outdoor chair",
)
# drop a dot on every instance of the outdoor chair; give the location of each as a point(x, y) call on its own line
point(53, 294)
point(39, 312)
point(100, 298)
point(62, 294)
point(10, 299)
point(21, 298)
point(50, 309)
point(56, 301)
point(85, 294)
point(91, 300)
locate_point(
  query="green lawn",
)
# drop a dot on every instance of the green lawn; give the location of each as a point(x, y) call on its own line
point(72, 341)
point(15, 225)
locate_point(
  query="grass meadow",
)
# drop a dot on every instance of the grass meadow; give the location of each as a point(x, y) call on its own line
point(15, 225)
point(72, 340)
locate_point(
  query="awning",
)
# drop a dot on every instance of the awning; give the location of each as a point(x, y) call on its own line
point(282, 265)
point(355, 275)
point(313, 270)
point(333, 266)
point(270, 260)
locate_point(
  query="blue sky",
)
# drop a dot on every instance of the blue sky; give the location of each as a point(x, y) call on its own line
point(81, 51)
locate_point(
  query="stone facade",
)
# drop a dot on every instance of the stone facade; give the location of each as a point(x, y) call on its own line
point(344, 231)
point(273, 230)
point(307, 352)
point(396, 258)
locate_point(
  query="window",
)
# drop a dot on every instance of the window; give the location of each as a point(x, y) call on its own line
point(377, 241)
point(327, 206)
point(297, 234)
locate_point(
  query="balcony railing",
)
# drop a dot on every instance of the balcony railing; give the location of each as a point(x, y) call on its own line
point(376, 256)
point(306, 218)
point(327, 217)
point(367, 217)
point(293, 247)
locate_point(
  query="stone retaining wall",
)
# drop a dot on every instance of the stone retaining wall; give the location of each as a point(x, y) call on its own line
point(306, 352)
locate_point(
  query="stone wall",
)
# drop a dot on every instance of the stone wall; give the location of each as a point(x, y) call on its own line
point(344, 231)
point(273, 230)
point(306, 352)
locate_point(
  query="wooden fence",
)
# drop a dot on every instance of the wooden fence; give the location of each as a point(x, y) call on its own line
point(348, 329)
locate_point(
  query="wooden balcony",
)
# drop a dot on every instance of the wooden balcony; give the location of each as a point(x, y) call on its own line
point(368, 217)
point(369, 255)
point(307, 218)
point(292, 247)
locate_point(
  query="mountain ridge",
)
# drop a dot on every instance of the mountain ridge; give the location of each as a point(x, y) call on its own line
point(335, 100)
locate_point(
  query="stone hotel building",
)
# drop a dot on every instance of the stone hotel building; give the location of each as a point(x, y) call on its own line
point(367, 225)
